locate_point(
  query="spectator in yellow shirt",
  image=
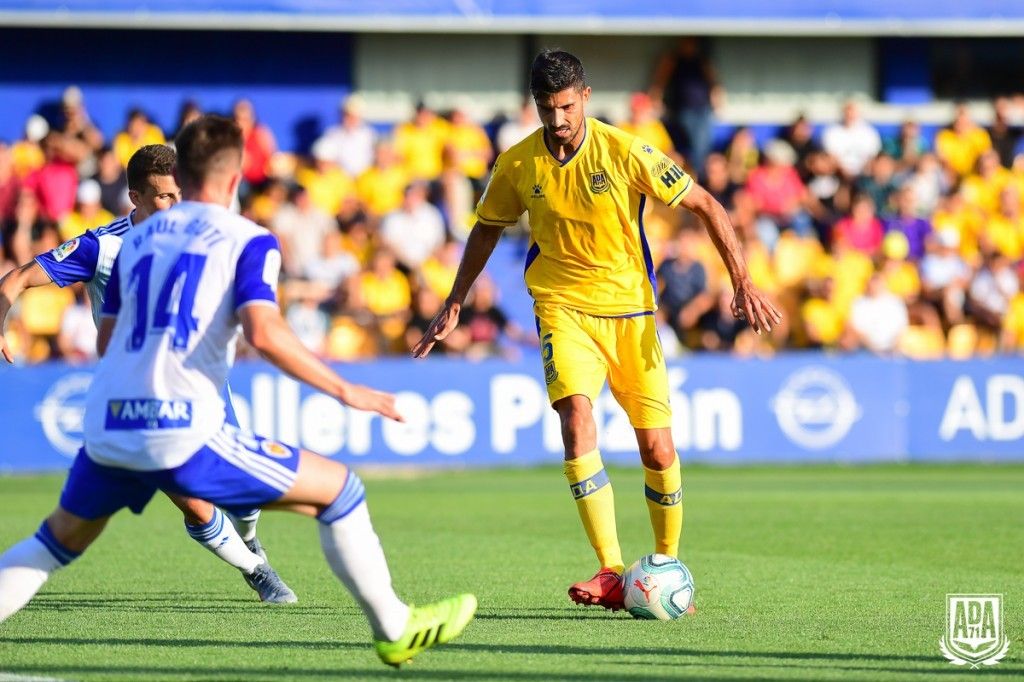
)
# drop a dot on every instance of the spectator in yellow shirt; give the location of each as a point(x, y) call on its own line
point(455, 195)
point(89, 212)
point(644, 124)
point(1005, 230)
point(470, 145)
point(386, 294)
point(899, 275)
point(823, 317)
point(742, 154)
point(420, 143)
point(266, 203)
point(1011, 339)
point(954, 213)
point(794, 257)
point(137, 133)
point(960, 145)
point(982, 189)
point(386, 291)
point(438, 272)
point(327, 184)
point(27, 153)
point(355, 236)
point(381, 187)
point(850, 269)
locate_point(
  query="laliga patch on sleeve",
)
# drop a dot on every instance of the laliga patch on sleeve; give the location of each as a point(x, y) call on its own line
point(661, 166)
point(65, 250)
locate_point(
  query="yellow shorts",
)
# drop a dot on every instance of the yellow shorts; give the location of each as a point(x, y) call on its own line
point(580, 351)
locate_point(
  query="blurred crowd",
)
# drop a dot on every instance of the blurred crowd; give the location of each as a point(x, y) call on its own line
point(901, 246)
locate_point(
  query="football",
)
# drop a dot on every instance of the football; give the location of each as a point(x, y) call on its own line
point(657, 587)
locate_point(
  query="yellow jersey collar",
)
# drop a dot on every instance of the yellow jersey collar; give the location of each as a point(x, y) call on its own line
point(576, 153)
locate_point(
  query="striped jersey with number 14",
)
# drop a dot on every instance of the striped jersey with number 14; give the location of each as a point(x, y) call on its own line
point(176, 288)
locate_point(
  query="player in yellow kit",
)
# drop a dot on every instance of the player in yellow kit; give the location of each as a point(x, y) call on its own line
point(590, 273)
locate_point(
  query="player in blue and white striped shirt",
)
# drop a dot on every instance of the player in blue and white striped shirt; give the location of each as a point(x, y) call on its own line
point(88, 258)
point(185, 283)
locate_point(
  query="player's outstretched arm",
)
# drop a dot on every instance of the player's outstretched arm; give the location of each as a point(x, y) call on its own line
point(11, 286)
point(268, 333)
point(748, 303)
point(479, 248)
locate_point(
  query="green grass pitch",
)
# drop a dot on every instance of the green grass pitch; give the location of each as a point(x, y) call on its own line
point(802, 573)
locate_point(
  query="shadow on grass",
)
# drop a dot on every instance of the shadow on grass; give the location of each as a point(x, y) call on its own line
point(419, 670)
point(170, 602)
point(177, 602)
point(136, 672)
point(650, 656)
point(646, 659)
point(191, 603)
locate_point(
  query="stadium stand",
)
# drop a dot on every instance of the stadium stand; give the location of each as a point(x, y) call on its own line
point(834, 177)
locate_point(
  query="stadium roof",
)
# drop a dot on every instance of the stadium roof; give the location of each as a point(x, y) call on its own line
point(665, 17)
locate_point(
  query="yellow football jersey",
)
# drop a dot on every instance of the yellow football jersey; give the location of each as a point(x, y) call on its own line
point(588, 250)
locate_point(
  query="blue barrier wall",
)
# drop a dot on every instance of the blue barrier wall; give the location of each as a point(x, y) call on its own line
point(796, 408)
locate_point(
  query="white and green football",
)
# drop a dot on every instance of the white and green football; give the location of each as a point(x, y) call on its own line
point(658, 587)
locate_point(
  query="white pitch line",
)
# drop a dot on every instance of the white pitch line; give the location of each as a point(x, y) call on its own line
point(11, 677)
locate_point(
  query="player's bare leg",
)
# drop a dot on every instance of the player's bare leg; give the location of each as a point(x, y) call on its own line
point(595, 502)
point(334, 495)
point(579, 430)
point(74, 532)
point(210, 527)
point(196, 512)
point(26, 567)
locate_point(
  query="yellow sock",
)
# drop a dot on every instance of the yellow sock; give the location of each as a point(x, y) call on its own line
point(592, 490)
point(664, 493)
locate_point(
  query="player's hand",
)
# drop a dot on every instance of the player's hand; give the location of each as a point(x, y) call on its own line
point(753, 306)
point(371, 400)
point(440, 327)
point(5, 349)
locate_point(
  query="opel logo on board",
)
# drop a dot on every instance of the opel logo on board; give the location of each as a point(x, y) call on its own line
point(815, 408)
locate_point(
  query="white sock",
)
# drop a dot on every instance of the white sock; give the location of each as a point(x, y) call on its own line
point(245, 525)
point(24, 569)
point(221, 538)
point(353, 550)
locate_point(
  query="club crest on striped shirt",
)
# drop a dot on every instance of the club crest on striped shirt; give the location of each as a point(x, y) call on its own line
point(272, 448)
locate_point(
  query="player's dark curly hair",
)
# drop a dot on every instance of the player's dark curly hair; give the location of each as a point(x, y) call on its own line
point(153, 159)
point(554, 71)
point(207, 145)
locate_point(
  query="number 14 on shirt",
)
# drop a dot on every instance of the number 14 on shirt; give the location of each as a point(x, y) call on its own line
point(173, 304)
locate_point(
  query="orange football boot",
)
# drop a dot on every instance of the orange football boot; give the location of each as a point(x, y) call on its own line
point(604, 589)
